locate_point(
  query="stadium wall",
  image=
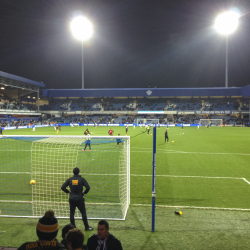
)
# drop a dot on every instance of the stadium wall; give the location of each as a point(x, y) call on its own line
point(139, 92)
point(245, 91)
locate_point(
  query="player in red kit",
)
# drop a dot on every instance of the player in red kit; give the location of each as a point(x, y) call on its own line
point(111, 131)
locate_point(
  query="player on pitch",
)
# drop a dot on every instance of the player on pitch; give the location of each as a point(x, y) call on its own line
point(111, 132)
point(76, 184)
point(166, 135)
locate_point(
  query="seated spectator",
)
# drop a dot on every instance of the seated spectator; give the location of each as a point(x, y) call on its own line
point(103, 239)
point(75, 239)
point(46, 230)
point(65, 230)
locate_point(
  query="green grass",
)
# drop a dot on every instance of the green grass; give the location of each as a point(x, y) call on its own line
point(204, 173)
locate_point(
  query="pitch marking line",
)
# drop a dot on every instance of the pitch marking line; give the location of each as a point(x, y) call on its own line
point(244, 179)
point(139, 175)
point(181, 176)
point(192, 207)
point(184, 152)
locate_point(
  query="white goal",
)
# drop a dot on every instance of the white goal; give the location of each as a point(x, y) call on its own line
point(211, 122)
point(147, 121)
point(50, 160)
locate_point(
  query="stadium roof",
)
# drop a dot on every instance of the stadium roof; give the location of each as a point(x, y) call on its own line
point(19, 82)
point(150, 92)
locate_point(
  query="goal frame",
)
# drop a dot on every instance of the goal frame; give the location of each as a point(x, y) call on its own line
point(148, 121)
point(82, 137)
point(210, 121)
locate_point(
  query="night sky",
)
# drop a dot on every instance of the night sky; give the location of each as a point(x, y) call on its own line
point(136, 43)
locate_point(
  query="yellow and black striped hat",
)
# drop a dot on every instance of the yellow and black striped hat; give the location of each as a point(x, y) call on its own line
point(47, 227)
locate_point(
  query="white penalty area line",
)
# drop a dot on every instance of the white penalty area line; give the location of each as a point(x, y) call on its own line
point(136, 175)
point(192, 207)
point(187, 176)
point(183, 152)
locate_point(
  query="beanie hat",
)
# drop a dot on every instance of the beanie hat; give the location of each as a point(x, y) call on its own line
point(76, 171)
point(47, 227)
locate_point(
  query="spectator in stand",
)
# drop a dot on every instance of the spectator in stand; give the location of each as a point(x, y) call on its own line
point(103, 239)
point(65, 230)
point(46, 230)
point(75, 239)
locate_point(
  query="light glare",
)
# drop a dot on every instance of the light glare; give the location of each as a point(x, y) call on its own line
point(81, 28)
point(227, 22)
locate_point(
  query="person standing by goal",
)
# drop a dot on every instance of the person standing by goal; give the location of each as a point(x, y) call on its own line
point(76, 184)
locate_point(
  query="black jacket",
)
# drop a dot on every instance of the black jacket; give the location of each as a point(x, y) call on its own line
point(112, 243)
point(76, 184)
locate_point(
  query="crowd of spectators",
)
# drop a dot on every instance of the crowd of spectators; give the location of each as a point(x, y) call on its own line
point(11, 104)
point(72, 238)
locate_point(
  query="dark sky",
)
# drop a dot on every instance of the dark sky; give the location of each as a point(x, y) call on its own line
point(136, 43)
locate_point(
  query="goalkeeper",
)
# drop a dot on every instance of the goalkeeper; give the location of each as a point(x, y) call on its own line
point(76, 184)
point(119, 141)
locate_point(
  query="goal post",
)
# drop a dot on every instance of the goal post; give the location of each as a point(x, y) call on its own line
point(211, 122)
point(147, 121)
point(50, 160)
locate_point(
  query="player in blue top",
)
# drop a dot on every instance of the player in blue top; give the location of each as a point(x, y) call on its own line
point(87, 143)
point(119, 141)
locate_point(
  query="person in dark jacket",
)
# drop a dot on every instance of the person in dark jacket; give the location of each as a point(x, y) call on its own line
point(103, 239)
point(76, 184)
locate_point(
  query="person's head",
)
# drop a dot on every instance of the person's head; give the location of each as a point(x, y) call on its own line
point(66, 229)
point(118, 134)
point(103, 229)
point(75, 238)
point(76, 171)
point(47, 227)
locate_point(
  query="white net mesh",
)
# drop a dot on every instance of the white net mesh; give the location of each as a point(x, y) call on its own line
point(211, 122)
point(147, 121)
point(105, 167)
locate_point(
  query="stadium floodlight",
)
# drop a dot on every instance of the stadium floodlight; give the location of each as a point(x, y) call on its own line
point(226, 23)
point(82, 30)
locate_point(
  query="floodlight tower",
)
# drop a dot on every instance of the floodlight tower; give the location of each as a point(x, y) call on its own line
point(226, 23)
point(82, 30)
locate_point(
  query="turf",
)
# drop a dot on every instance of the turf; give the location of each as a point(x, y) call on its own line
point(205, 173)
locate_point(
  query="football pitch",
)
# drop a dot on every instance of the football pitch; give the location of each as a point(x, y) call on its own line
point(202, 172)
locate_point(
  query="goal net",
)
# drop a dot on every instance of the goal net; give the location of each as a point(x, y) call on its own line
point(50, 160)
point(211, 122)
point(147, 121)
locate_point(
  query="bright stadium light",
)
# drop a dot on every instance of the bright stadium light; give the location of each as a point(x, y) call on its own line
point(226, 23)
point(82, 30)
